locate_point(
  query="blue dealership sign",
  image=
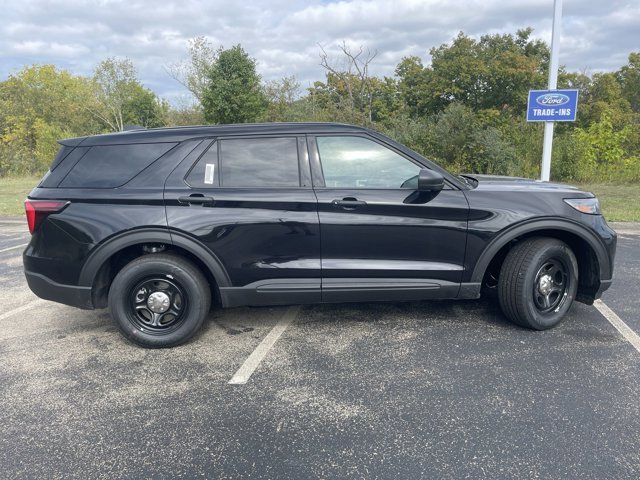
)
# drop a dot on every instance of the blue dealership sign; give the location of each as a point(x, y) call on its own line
point(552, 105)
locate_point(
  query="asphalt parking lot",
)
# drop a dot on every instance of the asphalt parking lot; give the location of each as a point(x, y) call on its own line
point(417, 390)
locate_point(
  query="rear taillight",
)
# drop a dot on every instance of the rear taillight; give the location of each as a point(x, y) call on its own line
point(37, 211)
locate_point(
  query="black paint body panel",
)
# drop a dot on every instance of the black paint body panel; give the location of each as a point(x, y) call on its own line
point(266, 246)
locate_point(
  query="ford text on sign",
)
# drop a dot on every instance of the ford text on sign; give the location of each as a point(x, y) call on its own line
point(552, 105)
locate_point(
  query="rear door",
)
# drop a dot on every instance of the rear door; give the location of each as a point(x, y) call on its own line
point(249, 200)
point(381, 239)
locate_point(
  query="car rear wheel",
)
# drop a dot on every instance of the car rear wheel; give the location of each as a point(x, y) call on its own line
point(538, 282)
point(159, 300)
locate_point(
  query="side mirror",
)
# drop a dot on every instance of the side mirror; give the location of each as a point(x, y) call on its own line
point(430, 181)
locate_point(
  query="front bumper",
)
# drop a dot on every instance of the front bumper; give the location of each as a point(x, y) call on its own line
point(46, 288)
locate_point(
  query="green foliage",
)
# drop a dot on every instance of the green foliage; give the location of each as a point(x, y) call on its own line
point(39, 105)
point(452, 134)
point(601, 153)
point(493, 154)
point(185, 114)
point(233, 93)
point(144, 108)
point(493, 72)
point(121, 100)
point(469, 142)
point(281, 96)
point(629, 78)
point(603, 97)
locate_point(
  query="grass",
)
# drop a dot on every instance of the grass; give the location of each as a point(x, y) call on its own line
point(620, 203)
point(13, 191)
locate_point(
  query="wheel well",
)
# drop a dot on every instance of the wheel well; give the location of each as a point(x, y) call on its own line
point(588, 266)
point(110, 268)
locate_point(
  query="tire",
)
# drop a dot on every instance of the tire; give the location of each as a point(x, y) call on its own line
point(538, 282)
point(159, 300)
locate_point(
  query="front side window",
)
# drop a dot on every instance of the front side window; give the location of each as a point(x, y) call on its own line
point(356, 162)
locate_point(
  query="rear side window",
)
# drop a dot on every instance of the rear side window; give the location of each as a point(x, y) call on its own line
point(248, 162)
point(110, 166)
point(62, 154)
point(204, 173)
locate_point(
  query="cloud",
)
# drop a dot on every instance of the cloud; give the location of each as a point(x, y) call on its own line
point(284, 36)
point(55, 49)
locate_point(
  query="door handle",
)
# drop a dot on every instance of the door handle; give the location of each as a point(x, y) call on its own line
point(348, 203)
point(196, 198)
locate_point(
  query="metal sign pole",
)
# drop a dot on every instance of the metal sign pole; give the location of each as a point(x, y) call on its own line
point(553, 85)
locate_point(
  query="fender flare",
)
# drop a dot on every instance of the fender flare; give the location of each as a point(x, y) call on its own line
point(514, 231)
point(152, 235)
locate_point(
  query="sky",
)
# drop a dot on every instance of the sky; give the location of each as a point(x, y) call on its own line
point(284, 36)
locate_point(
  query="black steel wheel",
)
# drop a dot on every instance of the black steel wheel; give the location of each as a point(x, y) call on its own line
point(550, 286)
point(158, 304)
point(159, 300)
point(538, 282)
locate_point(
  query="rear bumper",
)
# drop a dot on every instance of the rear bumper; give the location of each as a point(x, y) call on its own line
point(72, 295)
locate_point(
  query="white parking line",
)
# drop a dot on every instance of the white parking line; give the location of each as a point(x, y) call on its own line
point(24, 307)
point(626, 331)
point(253, 361)
point(14, 247)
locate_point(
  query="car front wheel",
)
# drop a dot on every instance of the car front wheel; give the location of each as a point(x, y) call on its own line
point(538, 282)
point(159, 300)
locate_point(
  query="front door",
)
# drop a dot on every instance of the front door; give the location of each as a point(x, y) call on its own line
point(249, 201)
point(381, 239)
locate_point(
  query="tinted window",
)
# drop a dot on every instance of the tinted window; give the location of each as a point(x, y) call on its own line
point(62, 153)
point(356, 162)
point(204, 174)
point(111, 166)
point(259, 162)
point(62, 169)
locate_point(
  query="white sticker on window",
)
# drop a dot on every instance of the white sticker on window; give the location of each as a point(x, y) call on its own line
point(209, 172)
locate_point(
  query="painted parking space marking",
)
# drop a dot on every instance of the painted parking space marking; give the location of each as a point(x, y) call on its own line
point(626, 331)
point(13, 248)
point(253, 361)
point(22, 308)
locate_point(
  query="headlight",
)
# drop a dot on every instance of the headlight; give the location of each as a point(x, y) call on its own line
point(585, 205)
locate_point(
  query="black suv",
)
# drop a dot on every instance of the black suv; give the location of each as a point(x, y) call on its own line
point(161, 224)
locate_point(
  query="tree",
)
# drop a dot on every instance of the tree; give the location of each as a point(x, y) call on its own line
point(122, 100)
point(144, 108)
point(629, 78)
point(185, 112)
point(194, 72)
point(233, 93)
point(349, 81)
point(604, 97)
point(413, 84)
point(494, 72)
point(602, 153)
point(114, 81)
point(281, 96)
point(39, 105)
point(452, 135)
